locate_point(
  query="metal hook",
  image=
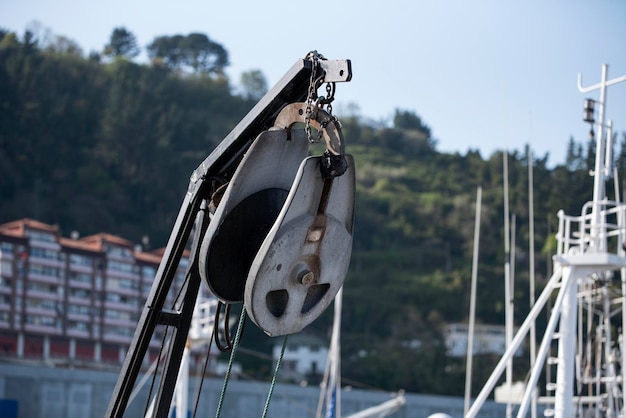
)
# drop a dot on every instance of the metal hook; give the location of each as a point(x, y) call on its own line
point(324, 122)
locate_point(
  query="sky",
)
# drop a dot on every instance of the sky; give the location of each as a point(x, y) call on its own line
point(484, 75)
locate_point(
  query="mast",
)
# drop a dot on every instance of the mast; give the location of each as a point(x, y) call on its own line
point(508, 292)
point(470, 337)
point(531, 270)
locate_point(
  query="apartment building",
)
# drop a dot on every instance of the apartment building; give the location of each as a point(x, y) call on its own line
point(72, 300)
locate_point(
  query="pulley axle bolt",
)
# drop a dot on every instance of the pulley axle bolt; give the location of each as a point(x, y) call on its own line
point(306, 277)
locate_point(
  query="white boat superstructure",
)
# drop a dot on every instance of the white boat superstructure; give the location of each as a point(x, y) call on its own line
point(586, 376)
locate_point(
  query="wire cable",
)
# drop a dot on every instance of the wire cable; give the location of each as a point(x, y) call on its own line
point(278, 363)
point(242, 319)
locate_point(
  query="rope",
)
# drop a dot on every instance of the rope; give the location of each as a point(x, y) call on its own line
point(242, 319)
point(278, 363)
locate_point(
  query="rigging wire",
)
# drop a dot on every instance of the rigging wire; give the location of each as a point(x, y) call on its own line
point(228, 342)
point(206, 362)
point(242, 319)
point(278, 363)
point(145, 412)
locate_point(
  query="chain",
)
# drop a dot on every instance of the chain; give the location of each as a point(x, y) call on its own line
point(313, 103)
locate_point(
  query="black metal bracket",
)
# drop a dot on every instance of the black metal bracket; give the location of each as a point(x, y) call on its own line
point(221, 163)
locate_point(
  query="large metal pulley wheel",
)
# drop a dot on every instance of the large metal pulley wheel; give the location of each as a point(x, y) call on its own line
point(302, 263)
point(280, 237)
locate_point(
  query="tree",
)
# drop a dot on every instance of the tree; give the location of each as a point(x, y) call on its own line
point(122, 44)
point(29, 41)
point(166, 50)
point(64, 45)
point(404, 119)
point(254, 84)
point(195, 51)
point(203, 55)
point(9, 40)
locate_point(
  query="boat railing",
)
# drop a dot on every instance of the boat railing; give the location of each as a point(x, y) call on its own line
point(203, 319)
point(600, 228)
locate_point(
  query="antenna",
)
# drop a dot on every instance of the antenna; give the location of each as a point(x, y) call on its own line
point(600, 167)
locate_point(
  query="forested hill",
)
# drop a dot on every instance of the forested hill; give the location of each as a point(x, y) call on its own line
point(95, 144)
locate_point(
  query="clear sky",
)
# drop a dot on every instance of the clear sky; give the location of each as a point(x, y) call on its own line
point(483, 74)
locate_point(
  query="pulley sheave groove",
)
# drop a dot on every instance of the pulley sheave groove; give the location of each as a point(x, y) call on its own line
point(245, 213)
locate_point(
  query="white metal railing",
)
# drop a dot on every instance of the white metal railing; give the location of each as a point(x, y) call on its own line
point(203, 319)
point(600, 228)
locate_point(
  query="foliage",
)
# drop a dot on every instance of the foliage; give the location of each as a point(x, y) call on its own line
point(122, 43)
point(254, 85)
point(194, 51)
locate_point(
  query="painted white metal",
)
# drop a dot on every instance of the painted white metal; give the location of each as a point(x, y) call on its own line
point(472, 316)
point(381, 410)
point(598, 185)
point(517, 341)
point(566, 286)
point(508, 324)
point(567, 345)
point(531, 271)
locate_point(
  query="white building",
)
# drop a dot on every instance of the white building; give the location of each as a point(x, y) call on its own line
point(304, 358)
point(488, 339)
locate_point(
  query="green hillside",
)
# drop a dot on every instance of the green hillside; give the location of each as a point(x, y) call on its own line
point(106, 144)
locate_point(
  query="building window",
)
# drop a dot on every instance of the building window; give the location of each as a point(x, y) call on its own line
point(78, 326)
point(4, 282)
point(148, 271)
point(6, 247)
point(40, 236)
point(112, 314)
point(43, 270)
point(41, 287)
point(44, 253)
point(78, 309)
point(119, 252)
point(6, 268)
point(117, 298)
point(80, 260)
point(120, 331)
point(80, 277)
point(40, 320)
point(80, 293)
point(45, 304)
point(121, 267)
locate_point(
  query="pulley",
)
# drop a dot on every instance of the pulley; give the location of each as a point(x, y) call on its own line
point(302, 262)
point(280, 236)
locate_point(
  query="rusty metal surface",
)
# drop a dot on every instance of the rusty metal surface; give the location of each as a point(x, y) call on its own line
point(322, 121)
